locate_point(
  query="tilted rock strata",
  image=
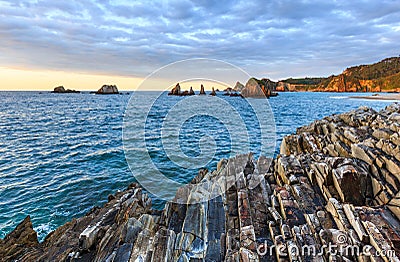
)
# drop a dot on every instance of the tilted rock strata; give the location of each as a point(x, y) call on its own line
point(335, 182)
point(22, 236)
point(94, 237)
point(366, 136)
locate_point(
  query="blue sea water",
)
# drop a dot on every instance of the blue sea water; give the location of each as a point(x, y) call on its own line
point(62, 154)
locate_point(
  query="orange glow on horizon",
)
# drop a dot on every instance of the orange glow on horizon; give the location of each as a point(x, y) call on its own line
point(15, 79)
point(18, 79)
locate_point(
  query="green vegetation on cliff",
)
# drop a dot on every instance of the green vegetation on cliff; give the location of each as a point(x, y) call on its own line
point(383, 76)
point(305, 81)
point(384, 68)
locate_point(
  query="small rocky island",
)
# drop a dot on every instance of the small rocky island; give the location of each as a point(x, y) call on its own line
point(258, 88)
point(108, 90)
point(335, 182)
point(62, 90)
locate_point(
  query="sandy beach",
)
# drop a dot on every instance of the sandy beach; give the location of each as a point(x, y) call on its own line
point(379, 97)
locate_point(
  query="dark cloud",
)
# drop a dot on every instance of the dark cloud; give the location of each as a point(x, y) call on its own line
point(267, 38)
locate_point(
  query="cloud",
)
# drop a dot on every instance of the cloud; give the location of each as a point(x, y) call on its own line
point(273, 39)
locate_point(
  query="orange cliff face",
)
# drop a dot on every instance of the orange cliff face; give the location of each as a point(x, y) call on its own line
point(370, 86)
point(287, 87)
point(383, 76)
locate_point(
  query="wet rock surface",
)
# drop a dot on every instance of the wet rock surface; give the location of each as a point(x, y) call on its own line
point(335, 182)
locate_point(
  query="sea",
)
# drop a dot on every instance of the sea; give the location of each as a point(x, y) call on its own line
point(63, 154)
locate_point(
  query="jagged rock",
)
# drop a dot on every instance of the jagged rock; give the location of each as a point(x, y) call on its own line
point(364, 153)
point(164, 242)
point(378, 241)
point(253, 89)
point(352, 182)
point(22, 240)
point(88, 237)
point(107, 90)
point(259, 88)
point(213, 93)
point(176, 91)
point(394, 205)
point(191, 92)
point(202, 92)
point(238, 87)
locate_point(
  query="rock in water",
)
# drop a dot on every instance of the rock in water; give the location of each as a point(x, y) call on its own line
point(59, 89)
point(62, 90)
point(176, 91)
point(253, 89)
point(213, 93)
point(107, 90)
point(191, 92)
point(238, 87)
point(259, 88)
point(202, 92)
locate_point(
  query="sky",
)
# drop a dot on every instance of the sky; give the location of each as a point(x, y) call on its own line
point(83, 44)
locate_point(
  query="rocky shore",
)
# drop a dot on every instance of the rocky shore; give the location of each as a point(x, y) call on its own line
point(336, 182)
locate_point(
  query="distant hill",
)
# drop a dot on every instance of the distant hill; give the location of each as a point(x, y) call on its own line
point(383, 76)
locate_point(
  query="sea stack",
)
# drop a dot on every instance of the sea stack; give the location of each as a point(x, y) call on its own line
point(213, 93)
point(108, 90)
point(202, 92)
point(176, 91)
point(253, 89)
point(191, 92)
point(238, 87)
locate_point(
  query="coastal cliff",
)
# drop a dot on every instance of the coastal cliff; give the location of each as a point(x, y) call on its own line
point(336, 181)
point(383, 76)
